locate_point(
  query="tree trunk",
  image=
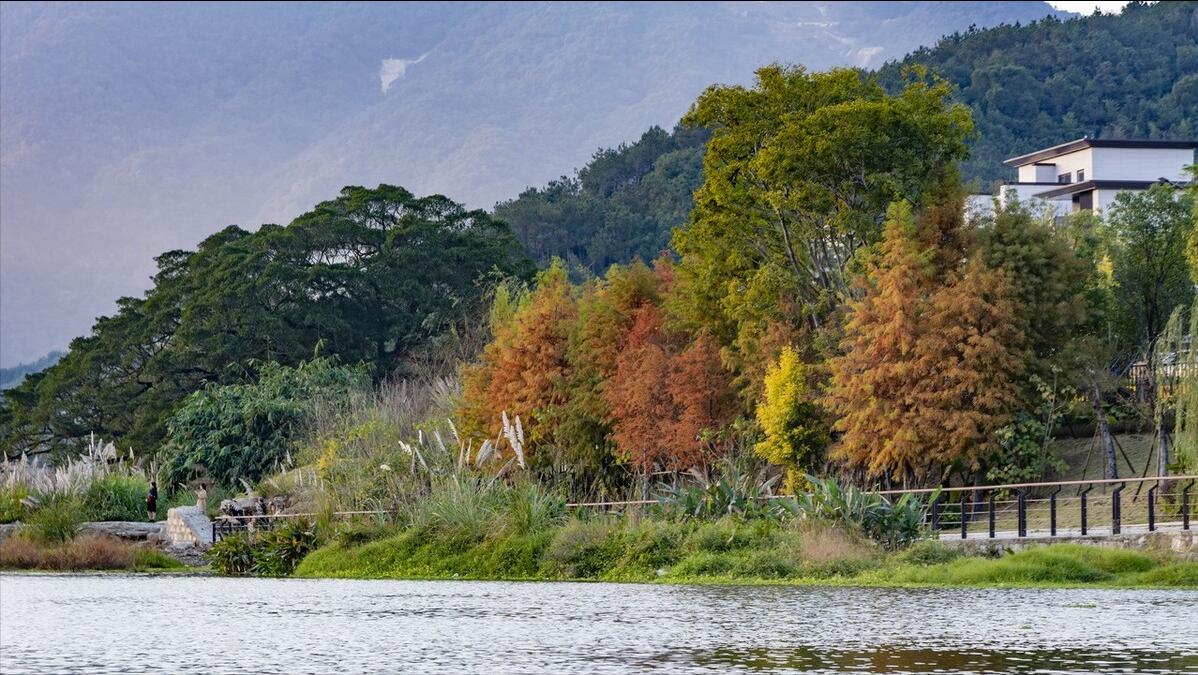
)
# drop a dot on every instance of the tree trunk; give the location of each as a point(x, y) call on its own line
point(1104, 432)
point(1162, 452)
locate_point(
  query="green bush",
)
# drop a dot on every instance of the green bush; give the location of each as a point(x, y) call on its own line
point(462, 506)
point(767, 564)
point(116, 497)
point(274, 553)
point(232, 555)
point(737, 489)
point(892, 524)
point(650, 545)
point(244, 431)
point(12, 503)
point(583, 549)
point(1173, 575)
point(929, 553)
point(708, 564)
point(723, 535)
point(530, 508)
point(1051, 565)
point(350, 534)
point(278, 552)
point(56, 519)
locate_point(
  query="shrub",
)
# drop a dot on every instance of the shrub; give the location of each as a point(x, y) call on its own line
point(650, 545)
point(822, 543)
point(261, 420)
point(530, 508)
point(723, 535)
point(1174, 575)
point(706, 564)
point(929, 553)
point(893, 524)
point(116, 497)
point(767, 564)
point(350, 534)
point(583, 549)
point(56, 518)
point(737, 488)
point(274, 553)
point(278, 552)
point(232, 555)
point(19, 553)
point(90, 552)
point(1040, 565)
point(12, 503)
point(462, 505)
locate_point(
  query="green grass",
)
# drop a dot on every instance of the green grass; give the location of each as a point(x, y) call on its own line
point(147, 559)
point(727, 551)
point(1055, 565)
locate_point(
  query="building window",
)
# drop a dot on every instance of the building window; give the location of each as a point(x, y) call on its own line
point(1063, 178)
point(1081, 175)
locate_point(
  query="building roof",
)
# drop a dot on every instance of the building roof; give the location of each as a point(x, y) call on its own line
point(1067, 189)
point(1083, 143)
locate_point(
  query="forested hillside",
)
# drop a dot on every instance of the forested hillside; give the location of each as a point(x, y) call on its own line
point(1133, 75)
point(621, 205)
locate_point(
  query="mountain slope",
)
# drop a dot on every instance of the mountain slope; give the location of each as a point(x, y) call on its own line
point(1030, 86)
point(129, 129)
point(1133, 75)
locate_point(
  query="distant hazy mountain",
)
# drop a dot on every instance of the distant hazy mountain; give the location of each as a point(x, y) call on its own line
point(11, 377)
point(130, 129)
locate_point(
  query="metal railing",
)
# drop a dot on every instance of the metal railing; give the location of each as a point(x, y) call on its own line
point(1015, 510)
point(1098, 507)
point(1065, 508)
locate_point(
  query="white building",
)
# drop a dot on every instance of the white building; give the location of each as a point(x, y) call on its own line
point(1086, 174)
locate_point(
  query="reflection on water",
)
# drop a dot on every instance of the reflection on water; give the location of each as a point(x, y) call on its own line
point(896, 659)
point(132, 624)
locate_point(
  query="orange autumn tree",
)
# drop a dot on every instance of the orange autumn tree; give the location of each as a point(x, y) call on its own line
point(702, 392)
point(524, 368)
point(605, 316)
point(872, 381)
point(932, 353)
point(641, 408)
point(973, 354)
point(667, 405)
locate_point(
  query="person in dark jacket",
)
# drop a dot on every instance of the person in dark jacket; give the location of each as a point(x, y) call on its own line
point(152, 501)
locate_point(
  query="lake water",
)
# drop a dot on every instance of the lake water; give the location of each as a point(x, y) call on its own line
point(143, 624)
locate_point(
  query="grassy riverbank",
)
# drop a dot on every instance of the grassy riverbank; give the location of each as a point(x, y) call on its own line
point(726, 551)
point(84, 553)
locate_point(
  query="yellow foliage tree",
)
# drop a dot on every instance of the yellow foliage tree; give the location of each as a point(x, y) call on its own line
point(792, 423)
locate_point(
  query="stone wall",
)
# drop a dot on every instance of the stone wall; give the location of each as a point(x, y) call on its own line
point(187, 527)
point(1178, 542)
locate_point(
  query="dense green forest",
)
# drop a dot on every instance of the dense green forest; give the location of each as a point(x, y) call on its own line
point(375, 276)
point(622, 205)
point(1133, 75)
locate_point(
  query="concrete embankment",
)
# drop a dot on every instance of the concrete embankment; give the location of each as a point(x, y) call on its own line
point(1182, 543)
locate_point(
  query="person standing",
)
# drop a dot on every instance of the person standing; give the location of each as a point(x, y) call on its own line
point(152, 501)
point(202, 498)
